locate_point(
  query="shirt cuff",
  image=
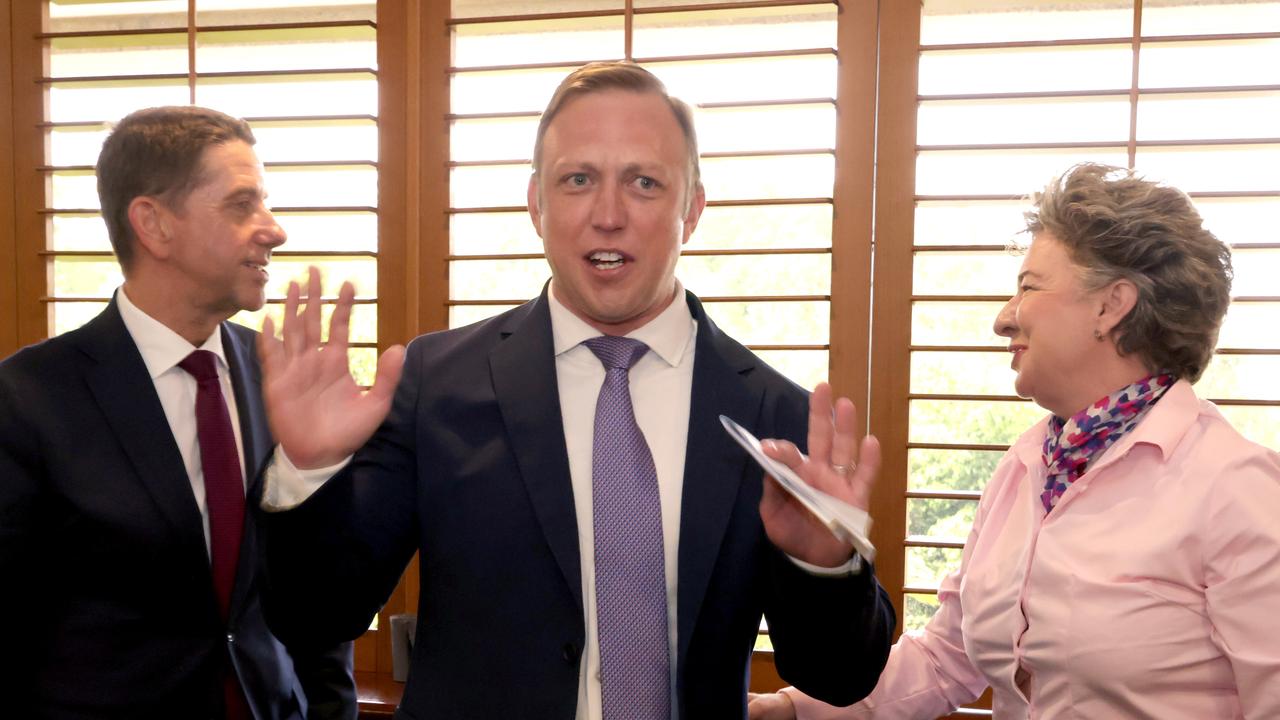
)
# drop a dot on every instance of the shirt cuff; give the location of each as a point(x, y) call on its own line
point(286, 487)
point(849, 569)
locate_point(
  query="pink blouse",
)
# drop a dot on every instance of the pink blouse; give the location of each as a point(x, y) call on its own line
point(1152, 590)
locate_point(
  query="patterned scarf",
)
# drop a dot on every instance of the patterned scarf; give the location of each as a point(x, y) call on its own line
point(1070, 444)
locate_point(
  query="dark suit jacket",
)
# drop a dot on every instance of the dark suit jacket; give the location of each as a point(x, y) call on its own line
point(108, 608)
point(470, 469)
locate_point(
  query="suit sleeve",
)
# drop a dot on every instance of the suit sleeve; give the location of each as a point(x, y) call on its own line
point(831, 635)
point(334, 560)
point(20, 473)
point(327, 677)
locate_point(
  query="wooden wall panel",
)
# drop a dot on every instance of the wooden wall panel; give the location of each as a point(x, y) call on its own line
point(8, 236)
point(413, 201)
point(397, 140)
point(433, 169)
point(852, 199)
point(31, 271)
point(891, 319)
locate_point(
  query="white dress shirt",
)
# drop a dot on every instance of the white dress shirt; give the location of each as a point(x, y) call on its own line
point(661, 387)
point(162, 349)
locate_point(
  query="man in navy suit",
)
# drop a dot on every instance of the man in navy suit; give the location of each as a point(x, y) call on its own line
point(489, 464)
point(132, 587)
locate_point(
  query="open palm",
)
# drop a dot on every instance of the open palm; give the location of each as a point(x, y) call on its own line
point(317, 412)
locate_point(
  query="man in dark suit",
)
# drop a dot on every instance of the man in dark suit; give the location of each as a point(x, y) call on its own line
point(592, 544)
point(132, 573)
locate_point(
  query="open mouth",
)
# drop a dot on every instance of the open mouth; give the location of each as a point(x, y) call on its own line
point(607, 259)
point(259, 266)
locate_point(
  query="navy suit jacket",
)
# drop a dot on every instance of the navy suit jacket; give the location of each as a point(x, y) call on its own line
point(470, 470)
point(108, 609)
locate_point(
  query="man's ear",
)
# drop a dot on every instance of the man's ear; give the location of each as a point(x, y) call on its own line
point(150, 221)
point(697, 204)
point(535, 204)
point(1118, 300)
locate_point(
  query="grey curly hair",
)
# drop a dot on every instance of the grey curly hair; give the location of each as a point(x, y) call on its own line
point(1115, 224)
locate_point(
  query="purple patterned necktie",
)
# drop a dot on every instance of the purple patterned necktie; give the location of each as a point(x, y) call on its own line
point(631, 585)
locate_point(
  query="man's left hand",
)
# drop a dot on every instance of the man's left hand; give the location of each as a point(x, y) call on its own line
point(838, 464)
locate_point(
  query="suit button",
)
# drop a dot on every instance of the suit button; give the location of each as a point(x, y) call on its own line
point(231, 639)
point(570, 653)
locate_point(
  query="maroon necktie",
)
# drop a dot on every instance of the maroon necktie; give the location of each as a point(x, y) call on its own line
point(224, 496)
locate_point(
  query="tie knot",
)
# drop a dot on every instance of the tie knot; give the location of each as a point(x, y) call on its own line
point(201, 364)
point(616, 352)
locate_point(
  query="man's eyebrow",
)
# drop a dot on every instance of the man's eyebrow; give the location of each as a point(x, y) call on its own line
point(567, 164)
point(244, 191)
point(1025, 273)
point(643, 167)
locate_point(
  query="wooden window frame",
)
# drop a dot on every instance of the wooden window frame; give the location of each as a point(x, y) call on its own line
point(414, 62)
point(879, 50)
point(873, 202)
point(25, 179)
point(24, 320)
point(8, 218)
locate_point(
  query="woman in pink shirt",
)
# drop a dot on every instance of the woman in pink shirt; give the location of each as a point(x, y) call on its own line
point(1125, 557)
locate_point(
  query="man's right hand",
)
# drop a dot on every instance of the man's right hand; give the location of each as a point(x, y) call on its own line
point(317, 412)
point(772, 706)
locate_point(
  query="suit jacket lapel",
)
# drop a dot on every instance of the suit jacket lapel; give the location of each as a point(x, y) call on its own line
point(714, 464)
point(124, 391)
point(524, 382)
point(246, 382)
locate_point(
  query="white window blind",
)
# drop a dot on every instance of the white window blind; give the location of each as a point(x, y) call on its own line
point(1011, 93)
point(762, 79)
point(304, 74)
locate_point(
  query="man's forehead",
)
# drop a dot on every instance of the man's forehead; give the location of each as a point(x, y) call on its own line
point(610, 118)
point(611, 105)
point(235, 159)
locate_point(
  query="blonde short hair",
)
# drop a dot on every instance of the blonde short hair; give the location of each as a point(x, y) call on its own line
point(1117, 225)
point(600, 76)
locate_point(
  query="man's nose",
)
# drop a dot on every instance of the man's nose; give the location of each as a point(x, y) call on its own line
point(272, 234)
point(608, 211)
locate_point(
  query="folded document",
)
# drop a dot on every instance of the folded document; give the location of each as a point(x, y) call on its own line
point(845, 521)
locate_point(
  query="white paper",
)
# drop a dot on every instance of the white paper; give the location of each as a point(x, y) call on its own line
point(845, 521)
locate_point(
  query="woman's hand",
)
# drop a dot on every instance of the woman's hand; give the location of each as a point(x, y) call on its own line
point(772, 706)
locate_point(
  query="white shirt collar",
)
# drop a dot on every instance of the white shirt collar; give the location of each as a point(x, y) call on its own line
point(667, 335)
point(161, 348)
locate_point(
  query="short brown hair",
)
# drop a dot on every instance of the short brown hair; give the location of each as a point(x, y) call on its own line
point(157, 152)
point(619, 75)
point(1116, 225)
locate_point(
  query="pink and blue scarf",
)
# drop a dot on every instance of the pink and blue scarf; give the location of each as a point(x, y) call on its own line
point(1071, 444)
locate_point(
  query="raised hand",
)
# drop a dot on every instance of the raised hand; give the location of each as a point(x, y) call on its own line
point(316, 411)
point(837, 464)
